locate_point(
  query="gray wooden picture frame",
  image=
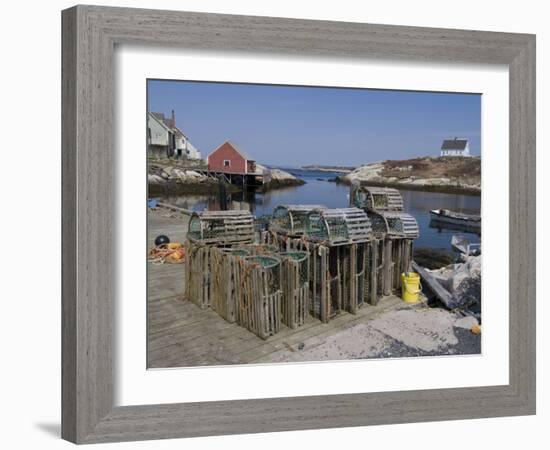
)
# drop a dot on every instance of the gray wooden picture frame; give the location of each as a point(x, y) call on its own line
point(90, 34)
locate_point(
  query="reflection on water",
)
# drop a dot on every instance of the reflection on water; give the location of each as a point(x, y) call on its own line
point(318, 190)
point(420, 203)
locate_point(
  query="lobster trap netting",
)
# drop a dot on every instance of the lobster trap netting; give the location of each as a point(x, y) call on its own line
point(221, 228)
point(394, 225)
point(346, 226)
point(373, 198)
point(292, 220)
point(402, 225)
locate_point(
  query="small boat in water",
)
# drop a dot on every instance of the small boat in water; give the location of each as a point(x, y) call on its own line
point(445, 218)
point(463, 245)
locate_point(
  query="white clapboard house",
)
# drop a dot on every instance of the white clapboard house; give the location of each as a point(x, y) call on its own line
point(166, 140)
point(455, 147)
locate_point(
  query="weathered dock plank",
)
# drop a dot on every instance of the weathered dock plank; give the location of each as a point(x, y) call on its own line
point(186, 335)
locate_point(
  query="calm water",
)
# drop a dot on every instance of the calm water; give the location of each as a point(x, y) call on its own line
point(318, 190)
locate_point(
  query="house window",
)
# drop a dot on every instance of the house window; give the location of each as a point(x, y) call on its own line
point(226, 163)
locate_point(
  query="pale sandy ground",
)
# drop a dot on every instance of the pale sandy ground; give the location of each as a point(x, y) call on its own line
point(405, 332)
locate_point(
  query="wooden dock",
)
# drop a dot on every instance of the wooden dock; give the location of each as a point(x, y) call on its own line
point(238, 179)
point(180, 334)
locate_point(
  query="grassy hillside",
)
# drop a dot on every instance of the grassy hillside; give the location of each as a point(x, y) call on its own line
point(443, 174)
point(444, 167)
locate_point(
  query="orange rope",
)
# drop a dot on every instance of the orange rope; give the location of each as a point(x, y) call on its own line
point(162, 254)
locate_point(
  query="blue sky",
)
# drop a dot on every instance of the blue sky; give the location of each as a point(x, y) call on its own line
point(293, 126)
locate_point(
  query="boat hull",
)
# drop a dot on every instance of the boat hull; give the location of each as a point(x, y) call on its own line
point(453, 222)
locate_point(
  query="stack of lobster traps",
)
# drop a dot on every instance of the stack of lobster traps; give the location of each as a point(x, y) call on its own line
point(338, 244)
point(246, 287)
point(208, 230)
point(227, 272)
point(393, 232)
point(308, 259)
point(259, 287)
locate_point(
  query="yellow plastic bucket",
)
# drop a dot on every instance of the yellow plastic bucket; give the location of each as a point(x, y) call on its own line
point(410, 287)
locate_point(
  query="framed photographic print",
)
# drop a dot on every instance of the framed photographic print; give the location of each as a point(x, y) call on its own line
point(278, 224)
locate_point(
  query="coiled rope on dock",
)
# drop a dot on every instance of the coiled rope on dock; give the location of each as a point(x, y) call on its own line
point(172, 253)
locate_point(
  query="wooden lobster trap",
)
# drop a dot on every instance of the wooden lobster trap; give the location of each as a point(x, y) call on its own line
point(197, 274)
point(227, 270)
point(294, 220)
point(348, 260)
point(371, 198)
point(221, 228)
point(294, 287)
point(260, 304)
point(208, 230)
point(394, 233)
point(338, 244)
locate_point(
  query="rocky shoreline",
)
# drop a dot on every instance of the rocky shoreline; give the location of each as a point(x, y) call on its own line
point(463, 281)
point(456, 175)
point(337, 169)
point(173, 180)
point(166, 179)
point(278, 178)
point(421, 185)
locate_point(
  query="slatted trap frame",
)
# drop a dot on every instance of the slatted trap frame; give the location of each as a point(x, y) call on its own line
point(260, 304)
point(295, 287)
point(222, 228)
point(206, 230)
point(293, 220)
point(394, 233)
point(312, 259)
point(338, 244)
point(227, 265)
point(371, 198)
point(394, 224)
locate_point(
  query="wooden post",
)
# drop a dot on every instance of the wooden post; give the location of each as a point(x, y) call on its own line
point(388, 267)
point(325, 286)
point(352, 287)
point(374, 273)
point(222, 194)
